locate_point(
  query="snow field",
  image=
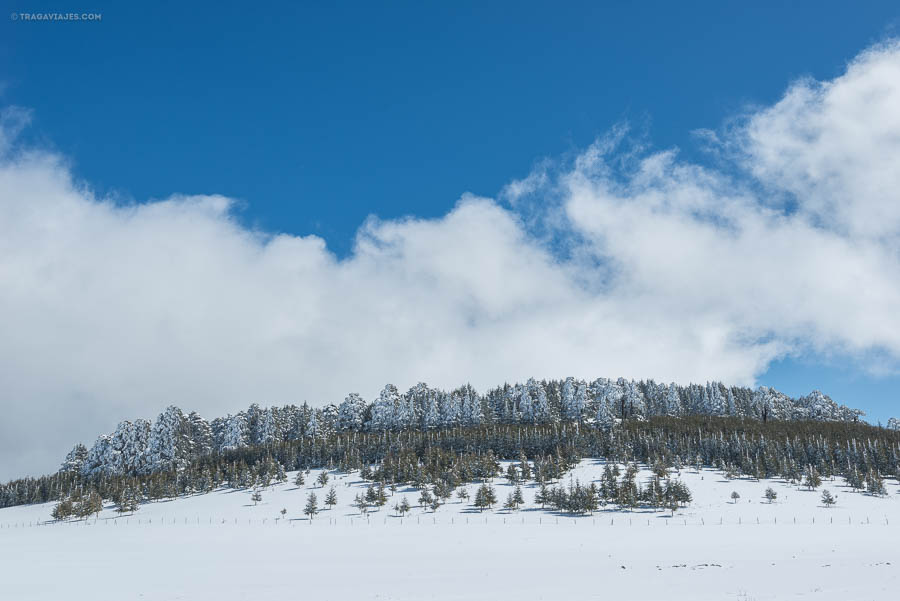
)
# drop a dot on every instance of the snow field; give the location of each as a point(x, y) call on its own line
point(181, 549)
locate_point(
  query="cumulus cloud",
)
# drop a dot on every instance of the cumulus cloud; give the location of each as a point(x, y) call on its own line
point(655, 268)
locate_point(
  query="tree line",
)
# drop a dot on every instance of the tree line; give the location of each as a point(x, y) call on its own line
point(862, 453)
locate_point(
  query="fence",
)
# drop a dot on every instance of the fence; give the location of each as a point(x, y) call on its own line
point(474, 519)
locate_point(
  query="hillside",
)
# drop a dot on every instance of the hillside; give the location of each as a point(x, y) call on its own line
point(715, 548)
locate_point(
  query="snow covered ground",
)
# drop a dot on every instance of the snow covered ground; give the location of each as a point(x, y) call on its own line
point(221, 546)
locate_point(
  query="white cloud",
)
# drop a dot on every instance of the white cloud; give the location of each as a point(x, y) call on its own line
point(658, 268)
point(834, 145)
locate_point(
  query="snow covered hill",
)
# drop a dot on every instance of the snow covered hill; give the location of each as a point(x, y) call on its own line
point(223, 546)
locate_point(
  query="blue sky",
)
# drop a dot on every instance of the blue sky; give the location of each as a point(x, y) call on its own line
point(319, 116)
point(313, 117)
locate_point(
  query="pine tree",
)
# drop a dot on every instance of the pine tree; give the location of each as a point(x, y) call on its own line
point(127, 501)
point(541, 496)
point(875, 484)
point(627, 494)
point(298, 479)
point(256, 497)
point(813, 480)
point(425, 498)
point(854, 479)
point(518, 497)
point(524, 468)
point(491, 496)
point(371, 495)
point(89, 505)
point(380, 496)
point(462, 494)
point(512, 474)
point(361, 504)
point(404, 506)
point(609, 487)
point(771, 495)
point(827, 499)
point(485, 497)
point(312, 506)
point(75, 460)
point(331, 498)
point(591, 498)
point(322, 479)
point(63, 510)
point(510, 503)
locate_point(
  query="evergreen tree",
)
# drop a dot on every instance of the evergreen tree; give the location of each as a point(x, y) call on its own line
point(485, 497)
point(609, 487)
point(331, 498)
point(541, 496)
point(404, 506)
point(63, 510)
point(875, 484)
point(371, 495)
point(518, 497)
point(322, 479)
point(827, 499)
point(312, 506)
point(75, 460)
point(127, 501)
point(813, 480)
point(491, 496)
point(89, 505)
point(361, 503)
point(512, 474)
point(381, 498)
point(627, 494)
point(771, 495)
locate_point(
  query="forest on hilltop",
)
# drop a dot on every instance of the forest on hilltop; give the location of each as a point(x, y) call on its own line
point(758, 432)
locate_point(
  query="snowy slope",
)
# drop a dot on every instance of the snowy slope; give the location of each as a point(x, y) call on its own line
point(221, 546)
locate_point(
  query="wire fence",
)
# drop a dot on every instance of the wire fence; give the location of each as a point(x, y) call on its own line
point(486, 518)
